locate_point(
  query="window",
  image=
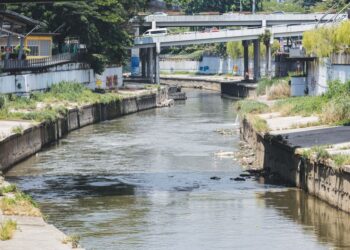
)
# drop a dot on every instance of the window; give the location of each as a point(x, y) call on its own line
point(34, 50)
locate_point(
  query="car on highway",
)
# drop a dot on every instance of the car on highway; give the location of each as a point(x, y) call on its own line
point(159, 14)
point(156, 32)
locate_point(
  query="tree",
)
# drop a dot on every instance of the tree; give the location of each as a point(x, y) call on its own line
point(100, 24)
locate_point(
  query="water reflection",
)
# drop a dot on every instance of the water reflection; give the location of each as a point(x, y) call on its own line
point(315, 216)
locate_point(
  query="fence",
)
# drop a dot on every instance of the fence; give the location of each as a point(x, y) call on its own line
point(15, 64)
point(342, 59)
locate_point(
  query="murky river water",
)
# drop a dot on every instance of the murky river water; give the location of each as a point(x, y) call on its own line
point(143, 182)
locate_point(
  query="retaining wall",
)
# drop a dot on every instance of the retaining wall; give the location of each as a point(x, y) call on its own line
point(192, 83)
point(17, 147)
point(316, 178)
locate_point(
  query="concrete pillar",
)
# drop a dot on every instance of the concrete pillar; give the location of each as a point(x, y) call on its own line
point(246, 59)
point(135, 58)
point(9, 43)
point(151, 64)
point(143, 55)
point(157, 63)
point(21, 48)
point(256, 60)
point(148, 64)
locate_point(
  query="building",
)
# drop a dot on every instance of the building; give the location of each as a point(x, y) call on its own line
point(36, 45)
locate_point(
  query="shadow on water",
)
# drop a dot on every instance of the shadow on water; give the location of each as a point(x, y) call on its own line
point(73, 186)
point(326, 222)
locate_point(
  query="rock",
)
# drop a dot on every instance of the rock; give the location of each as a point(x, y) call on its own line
point(237, 179)
point(245, 175)
point(215, 178)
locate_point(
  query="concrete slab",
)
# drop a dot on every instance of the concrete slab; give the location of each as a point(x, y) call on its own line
point(281, 123)
point(6, 127)
point(35, 234)
point(325, 136)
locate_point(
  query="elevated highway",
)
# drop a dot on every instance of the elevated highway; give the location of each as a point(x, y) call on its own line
point(219, 36)
point(150, 46)
point(231, 20)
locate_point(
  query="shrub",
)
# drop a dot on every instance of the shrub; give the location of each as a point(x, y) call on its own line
point(7, 228)
point(278, 91)
point(337, 111)
point(265, 83)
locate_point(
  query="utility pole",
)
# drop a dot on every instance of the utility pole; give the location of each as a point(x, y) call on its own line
point(253, 6)
point(240, 6)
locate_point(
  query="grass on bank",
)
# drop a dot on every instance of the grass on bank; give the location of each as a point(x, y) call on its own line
point(320, 153)
point(47, 106)
point(333, 107)
point(73, 240)
point(19, 203)
point(265, 84)
point(7, 229)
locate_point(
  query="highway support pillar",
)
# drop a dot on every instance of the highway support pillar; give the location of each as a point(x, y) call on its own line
point(151, 64)
point(246, 59)
point(135, 58)
point(256, 60)
point(269, 57)
point(143, 55)
point(157, 64)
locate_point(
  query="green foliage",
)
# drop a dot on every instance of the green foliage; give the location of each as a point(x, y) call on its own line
point(341, 160)
point(287, 6)
point(319, 153)
point(98, 62)
point(322, 42)
point(337, 88)
point(7, 229)
point(259, 124)
point(101, 25)
point(251, 107)
point(305, 105)
point(8, 189)
point(17, 129)
point(235, 49)
point(52, 103)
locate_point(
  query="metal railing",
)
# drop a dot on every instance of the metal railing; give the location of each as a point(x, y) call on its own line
point(27, 64)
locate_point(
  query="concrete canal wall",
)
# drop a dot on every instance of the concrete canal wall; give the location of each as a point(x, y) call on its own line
point(320, 179)
point(24, 82)
point(17, 147)
point(192, 82)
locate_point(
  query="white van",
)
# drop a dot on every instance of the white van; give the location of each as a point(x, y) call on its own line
point(156, 32)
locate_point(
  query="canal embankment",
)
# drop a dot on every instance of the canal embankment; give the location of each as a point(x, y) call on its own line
point(21, 139)
point(303, 142)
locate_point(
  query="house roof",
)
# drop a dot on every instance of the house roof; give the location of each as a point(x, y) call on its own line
point(12, 17)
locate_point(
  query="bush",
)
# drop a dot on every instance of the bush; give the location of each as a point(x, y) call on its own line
point(265, 83)
point(278, 91)
point(7, 228)
point(337, 88)
point(337, 111)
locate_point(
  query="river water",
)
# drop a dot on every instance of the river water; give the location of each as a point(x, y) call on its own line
point(143, 182)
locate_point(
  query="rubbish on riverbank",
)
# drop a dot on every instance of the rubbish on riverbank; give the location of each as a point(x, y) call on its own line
point(215, 178)
point(225, 154)
point(227, 132)
point(237, 179)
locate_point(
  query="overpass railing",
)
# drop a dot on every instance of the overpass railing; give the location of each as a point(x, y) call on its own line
point(28, 64)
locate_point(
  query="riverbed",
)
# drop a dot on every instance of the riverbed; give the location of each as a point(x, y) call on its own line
point(143, 181)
